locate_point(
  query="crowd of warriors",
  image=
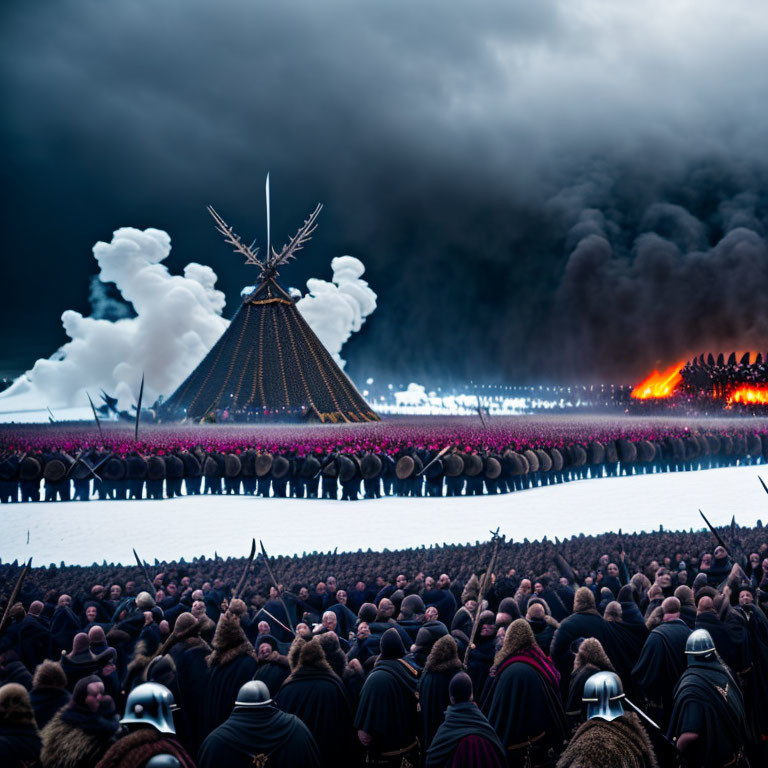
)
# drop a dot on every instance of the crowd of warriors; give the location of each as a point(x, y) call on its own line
point(712, 377)
point(32, 473)
point(369, 658)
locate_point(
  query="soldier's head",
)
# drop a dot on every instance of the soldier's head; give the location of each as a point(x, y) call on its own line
point(431, 613)
point(700, 647)
point(671, 608)
point(329, 621)
point(613, 570)
point(341, 596)
point(603, 693)
point(746, 597)
point(401, 582)
point(65, 601)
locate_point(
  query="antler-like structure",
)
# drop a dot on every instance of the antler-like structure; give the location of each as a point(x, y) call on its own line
point(296, 243)
point(234, 240)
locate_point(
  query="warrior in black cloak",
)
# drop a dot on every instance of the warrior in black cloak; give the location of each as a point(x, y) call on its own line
point(441, 666)
point(258, 735)
point(465, 737)
point(316, 695)
point(522, 700)
point(709, 721)
point(662, 662)
point(386, 714)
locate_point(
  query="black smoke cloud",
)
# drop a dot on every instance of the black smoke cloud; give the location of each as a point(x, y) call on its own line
point(562, 190)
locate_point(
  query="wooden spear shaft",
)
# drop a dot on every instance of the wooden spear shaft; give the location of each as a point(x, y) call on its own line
point(483, 586)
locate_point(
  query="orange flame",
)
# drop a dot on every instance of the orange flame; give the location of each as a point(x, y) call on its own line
point(751, 395)
point(659, 385)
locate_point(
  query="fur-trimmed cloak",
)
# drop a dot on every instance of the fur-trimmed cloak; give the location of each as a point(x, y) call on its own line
point(316, 695)
point(442, 664)
point(231, 664)
point(621, 743)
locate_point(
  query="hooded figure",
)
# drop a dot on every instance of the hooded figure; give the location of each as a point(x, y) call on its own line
point(522, 699)
point(317, 696)
point(481, 656)
point(386, 714)
point(465, 737)
point(441, 666)
point(49, 692)
point(81, 733)
point(231, 664)
point(82, 662)
point(189, 652)
point(19, 737)
point(258, 735)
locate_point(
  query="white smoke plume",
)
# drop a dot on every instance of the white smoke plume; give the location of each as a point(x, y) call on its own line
point(338, 309)
point(178, 319)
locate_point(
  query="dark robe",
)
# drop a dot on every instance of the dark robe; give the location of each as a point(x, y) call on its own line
point(260, 737)
point(191, 678)
point(480, 661)
point(273, 672)
point(46, 702)
point(387, 708)
point(34, 642)
point(434, 698)
point(224, 681)
point(522, 702)
point(140, 746)
point(661, 663)
point(319, 699)
point(708, 702)
point(19, 745)
point(465, 739)
point(64, 626)
point(587, 623)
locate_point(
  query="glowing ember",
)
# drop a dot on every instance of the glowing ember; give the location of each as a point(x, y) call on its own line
point(751, 395)
point(659, 385)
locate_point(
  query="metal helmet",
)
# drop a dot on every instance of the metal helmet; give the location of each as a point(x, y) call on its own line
point(162, 761)
point(699, 643)
point(603, 694)
point(253, 694)
point(150, 704)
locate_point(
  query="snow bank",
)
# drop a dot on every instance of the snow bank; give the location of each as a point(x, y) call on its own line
point(83, 533)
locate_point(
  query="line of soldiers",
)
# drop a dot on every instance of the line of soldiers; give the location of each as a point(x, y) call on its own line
point(717, 376)
point(352, 475)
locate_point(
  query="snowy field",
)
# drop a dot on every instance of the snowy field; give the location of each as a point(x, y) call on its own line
point(83, 533)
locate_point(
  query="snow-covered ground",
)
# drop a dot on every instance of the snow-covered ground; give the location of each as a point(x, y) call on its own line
point(83, 533)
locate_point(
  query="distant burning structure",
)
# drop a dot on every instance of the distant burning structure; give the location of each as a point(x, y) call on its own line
point(740, 379)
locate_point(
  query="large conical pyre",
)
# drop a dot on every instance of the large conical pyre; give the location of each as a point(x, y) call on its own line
point(268, 364)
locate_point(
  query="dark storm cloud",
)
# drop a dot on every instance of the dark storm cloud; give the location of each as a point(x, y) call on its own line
point(530, 185)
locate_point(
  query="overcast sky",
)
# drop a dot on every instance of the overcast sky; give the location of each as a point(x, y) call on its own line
point(566, 190)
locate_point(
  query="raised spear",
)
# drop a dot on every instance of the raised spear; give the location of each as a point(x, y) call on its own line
point(439, 456)
point(483, 585)
point(714, 532)
point(241, 583)
point(138, 409)
point(143, 567)
point(275, 584)
point(96, 416)
point(12, 599)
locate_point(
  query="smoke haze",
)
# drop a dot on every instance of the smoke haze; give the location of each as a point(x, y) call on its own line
point(561, 190)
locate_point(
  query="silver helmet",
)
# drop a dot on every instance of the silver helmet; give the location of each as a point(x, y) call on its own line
point(150, 704)
point(254, 693)
point(699, 643)
point(603, 694)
